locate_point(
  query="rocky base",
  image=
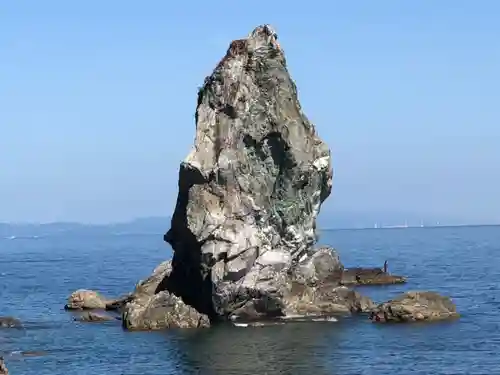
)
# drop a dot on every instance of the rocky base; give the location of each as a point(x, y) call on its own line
point(310, 288)
point(91, 317)
point(415, 306)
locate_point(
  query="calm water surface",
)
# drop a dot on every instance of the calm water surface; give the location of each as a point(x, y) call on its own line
point(37, 274)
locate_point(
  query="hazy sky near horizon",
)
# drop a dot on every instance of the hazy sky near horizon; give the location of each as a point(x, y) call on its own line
point(97, 101)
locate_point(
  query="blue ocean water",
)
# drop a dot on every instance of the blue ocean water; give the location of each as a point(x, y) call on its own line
point(37, 274)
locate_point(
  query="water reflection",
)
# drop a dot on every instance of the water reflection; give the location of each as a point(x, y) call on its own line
point(294, 348)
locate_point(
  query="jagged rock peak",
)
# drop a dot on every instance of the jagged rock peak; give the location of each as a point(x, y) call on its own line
point(252, 186)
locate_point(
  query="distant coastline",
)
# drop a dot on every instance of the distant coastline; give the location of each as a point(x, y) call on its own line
point(159, 225)
point(411, 227)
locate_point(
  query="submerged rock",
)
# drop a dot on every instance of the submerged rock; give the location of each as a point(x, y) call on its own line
point(3, 367)
point(415, 306)
point(10, 322)
point(370, 276)
point(94, 317)
point(251, 188)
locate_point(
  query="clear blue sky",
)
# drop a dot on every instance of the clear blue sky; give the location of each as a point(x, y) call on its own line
point(97, 101)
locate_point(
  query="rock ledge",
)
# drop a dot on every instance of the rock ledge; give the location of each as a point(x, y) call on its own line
point(415, 306)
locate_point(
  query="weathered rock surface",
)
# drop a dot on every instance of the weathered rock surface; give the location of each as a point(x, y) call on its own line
point(152, 307)
point(313, 288)
point(156, 282)
point(9, 322)
point(250, 189)
point(370, 276)
point(94, 317)
point(415, 306)
point(162, 310)
point(84, 299)
point(3, 367)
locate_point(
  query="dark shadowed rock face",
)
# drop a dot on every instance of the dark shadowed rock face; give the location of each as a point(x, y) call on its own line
point(251, 187)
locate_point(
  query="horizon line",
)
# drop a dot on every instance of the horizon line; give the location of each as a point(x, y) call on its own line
point(168, 219)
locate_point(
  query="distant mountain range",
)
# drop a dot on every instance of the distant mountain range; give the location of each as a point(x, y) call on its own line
point(159, 225)
point(148, 225)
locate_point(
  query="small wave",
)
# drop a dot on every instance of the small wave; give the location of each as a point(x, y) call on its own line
point(257, 324)
point(21, 238)
point(18, 354)
point(325, 319)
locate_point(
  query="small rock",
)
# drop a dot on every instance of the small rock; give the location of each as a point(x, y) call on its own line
point(415, 306)
point(3, 367)
point(9, 322)
point(94, 317)
point(83, 299)
point(326, 299)
point(161, 311)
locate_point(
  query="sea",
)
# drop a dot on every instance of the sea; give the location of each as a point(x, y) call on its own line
point(38, 273)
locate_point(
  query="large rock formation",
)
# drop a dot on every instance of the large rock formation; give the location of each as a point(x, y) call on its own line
point(252, 186)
